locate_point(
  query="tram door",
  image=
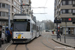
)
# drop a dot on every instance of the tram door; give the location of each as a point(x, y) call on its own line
point(0, 31)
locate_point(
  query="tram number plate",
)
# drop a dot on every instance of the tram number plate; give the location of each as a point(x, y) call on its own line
point(19, 36)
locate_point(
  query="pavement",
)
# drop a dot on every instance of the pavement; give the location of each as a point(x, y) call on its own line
point(70, 40)
point(3, 47)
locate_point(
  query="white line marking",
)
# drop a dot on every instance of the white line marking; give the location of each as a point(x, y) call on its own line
point(7, 46)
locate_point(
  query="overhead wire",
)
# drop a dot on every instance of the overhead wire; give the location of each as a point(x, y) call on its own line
point(44, 9)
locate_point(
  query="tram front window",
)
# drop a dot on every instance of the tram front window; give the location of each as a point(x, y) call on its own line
point(21, 26)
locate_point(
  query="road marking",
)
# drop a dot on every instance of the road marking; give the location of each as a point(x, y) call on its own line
point(64, 47)
point(7, 46)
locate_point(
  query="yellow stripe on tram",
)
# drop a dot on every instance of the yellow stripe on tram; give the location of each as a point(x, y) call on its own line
point(19, 36)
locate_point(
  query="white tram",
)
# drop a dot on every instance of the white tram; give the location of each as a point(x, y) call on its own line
point(24, 28)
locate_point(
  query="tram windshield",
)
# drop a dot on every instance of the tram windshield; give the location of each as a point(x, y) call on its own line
point(22, 26)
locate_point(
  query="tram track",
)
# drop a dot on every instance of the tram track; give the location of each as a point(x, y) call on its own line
point(45, 44)
point(17, 46)
point(55, 45)
point(26, 47)
point(51, 44)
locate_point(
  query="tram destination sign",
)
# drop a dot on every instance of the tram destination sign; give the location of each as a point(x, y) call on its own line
point(20, 20)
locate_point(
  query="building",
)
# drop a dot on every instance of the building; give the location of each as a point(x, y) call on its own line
point(14, 8)
point(65, 9)
point(27, 9)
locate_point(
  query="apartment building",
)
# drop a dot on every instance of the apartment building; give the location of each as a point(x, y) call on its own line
point(65, 9)
point(14, 8)
point(27, 9)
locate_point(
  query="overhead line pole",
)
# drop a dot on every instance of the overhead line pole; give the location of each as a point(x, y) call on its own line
point(9, 17)
point(21, 6)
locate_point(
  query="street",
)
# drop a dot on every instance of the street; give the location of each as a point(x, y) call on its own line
point(44, 42)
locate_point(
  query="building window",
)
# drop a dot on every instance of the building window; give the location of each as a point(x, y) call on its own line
point(70, 11)
point(9, 0)
point(66, 11)
point(0, 13)
point(6, 5)
point(63, 11)
point(3, 5)
point(20, 1)
point(0, 5)
point(14, 3)
point(73, 11)
point(61, 4)
point(73, 2)
point(67, 2)
point(3, 14)
point(64, 2)
point(70, 2)
point(14, 10)
point(6, 14)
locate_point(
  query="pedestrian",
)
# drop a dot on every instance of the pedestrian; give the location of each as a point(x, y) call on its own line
point(11, 29)
point(8, 35)
point(52, 32)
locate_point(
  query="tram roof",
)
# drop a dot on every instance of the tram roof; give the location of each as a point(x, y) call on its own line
point(21, 16)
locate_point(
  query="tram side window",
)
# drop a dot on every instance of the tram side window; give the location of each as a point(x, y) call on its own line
point(37, 29)
point(28, 27)
point(34, 27)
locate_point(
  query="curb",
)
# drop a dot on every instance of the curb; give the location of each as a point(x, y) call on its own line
point(63, 43)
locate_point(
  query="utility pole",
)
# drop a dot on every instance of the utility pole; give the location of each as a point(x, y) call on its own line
point(21, 6)
point(65, 31)
point(9, 18)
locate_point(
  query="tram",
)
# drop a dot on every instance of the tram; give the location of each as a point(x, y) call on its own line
point(24, 28)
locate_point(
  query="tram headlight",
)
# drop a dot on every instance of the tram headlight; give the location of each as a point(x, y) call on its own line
point(14, 37)
point(23, 37)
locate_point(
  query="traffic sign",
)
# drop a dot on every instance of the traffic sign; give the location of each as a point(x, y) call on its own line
point(69, 19)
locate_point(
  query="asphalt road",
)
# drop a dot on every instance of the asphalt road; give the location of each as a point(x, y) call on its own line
point(43, 42)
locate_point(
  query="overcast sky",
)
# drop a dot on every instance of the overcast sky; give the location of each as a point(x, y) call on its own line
point(49, 10)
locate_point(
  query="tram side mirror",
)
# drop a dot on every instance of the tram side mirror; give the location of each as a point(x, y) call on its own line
point(0, 31)
point(28, 20)
point(12, 25)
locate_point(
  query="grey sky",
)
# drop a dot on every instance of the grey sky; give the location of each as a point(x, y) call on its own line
point(49, 10)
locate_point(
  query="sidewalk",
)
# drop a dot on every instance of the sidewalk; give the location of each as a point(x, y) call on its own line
point(3, 47)
point(70, 40)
